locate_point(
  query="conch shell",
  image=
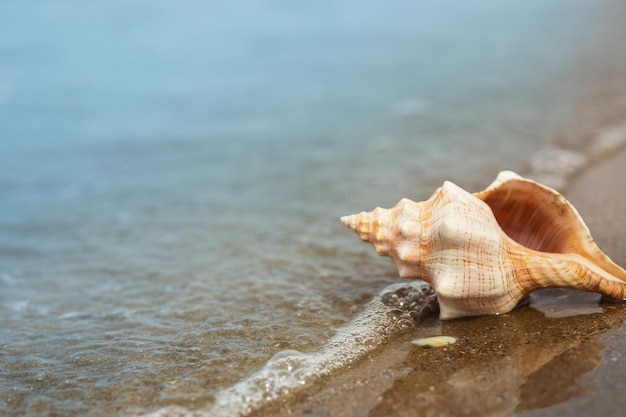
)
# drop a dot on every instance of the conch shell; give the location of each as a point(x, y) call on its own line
point(484, 252)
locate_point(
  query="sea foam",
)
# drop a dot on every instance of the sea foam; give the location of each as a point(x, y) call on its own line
point(395, 310)
point(554, 167)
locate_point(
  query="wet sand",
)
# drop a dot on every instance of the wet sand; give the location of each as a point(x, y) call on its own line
point(562, 355)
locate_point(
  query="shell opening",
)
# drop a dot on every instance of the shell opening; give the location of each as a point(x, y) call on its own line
point(541, 219)
point(544, 227)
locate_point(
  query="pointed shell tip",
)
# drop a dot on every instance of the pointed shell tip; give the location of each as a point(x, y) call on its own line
point(345, 220)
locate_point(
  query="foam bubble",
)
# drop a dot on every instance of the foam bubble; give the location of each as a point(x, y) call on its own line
point(70, 315)
point(552, 167)
point(394, 310)
point(557, 162)
point(609, 140)
point(409, 107)
point(19, 306)
point(7, 279)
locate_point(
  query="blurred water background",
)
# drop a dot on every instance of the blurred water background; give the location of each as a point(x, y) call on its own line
point(172, 173)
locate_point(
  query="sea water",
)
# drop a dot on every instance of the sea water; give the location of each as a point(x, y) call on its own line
point(173, 174)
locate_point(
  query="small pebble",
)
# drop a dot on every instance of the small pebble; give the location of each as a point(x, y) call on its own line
point(434, 342)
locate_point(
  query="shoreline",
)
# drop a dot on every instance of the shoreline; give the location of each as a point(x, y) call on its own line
point(595, 193)
point(528, 362)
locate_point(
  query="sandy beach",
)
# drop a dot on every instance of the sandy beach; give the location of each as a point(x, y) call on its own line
point(562, 355)
point(174, 174)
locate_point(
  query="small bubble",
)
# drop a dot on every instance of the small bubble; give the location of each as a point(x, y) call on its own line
point(287, 360)
point(390, 299)
point(305, 376)
point(395, 314)
point(369, 342)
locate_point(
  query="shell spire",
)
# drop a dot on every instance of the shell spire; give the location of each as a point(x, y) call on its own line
point(484, 252)
point(359, 223)
point(371, 227)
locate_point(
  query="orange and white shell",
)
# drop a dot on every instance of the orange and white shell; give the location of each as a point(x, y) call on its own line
point(484, 252)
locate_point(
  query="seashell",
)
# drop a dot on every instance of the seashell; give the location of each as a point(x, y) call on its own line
point(435, 341)
point(484, 252)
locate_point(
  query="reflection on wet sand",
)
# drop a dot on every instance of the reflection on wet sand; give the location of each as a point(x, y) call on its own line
point(502, 366)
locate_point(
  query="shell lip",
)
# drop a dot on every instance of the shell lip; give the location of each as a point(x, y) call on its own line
point(540, 219)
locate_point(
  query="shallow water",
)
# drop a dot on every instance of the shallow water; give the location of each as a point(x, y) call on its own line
point(173, 174)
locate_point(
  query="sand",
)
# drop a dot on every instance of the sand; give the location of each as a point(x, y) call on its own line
point(564, 355)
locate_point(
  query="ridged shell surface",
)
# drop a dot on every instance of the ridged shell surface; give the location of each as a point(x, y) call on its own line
point(483, 252)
